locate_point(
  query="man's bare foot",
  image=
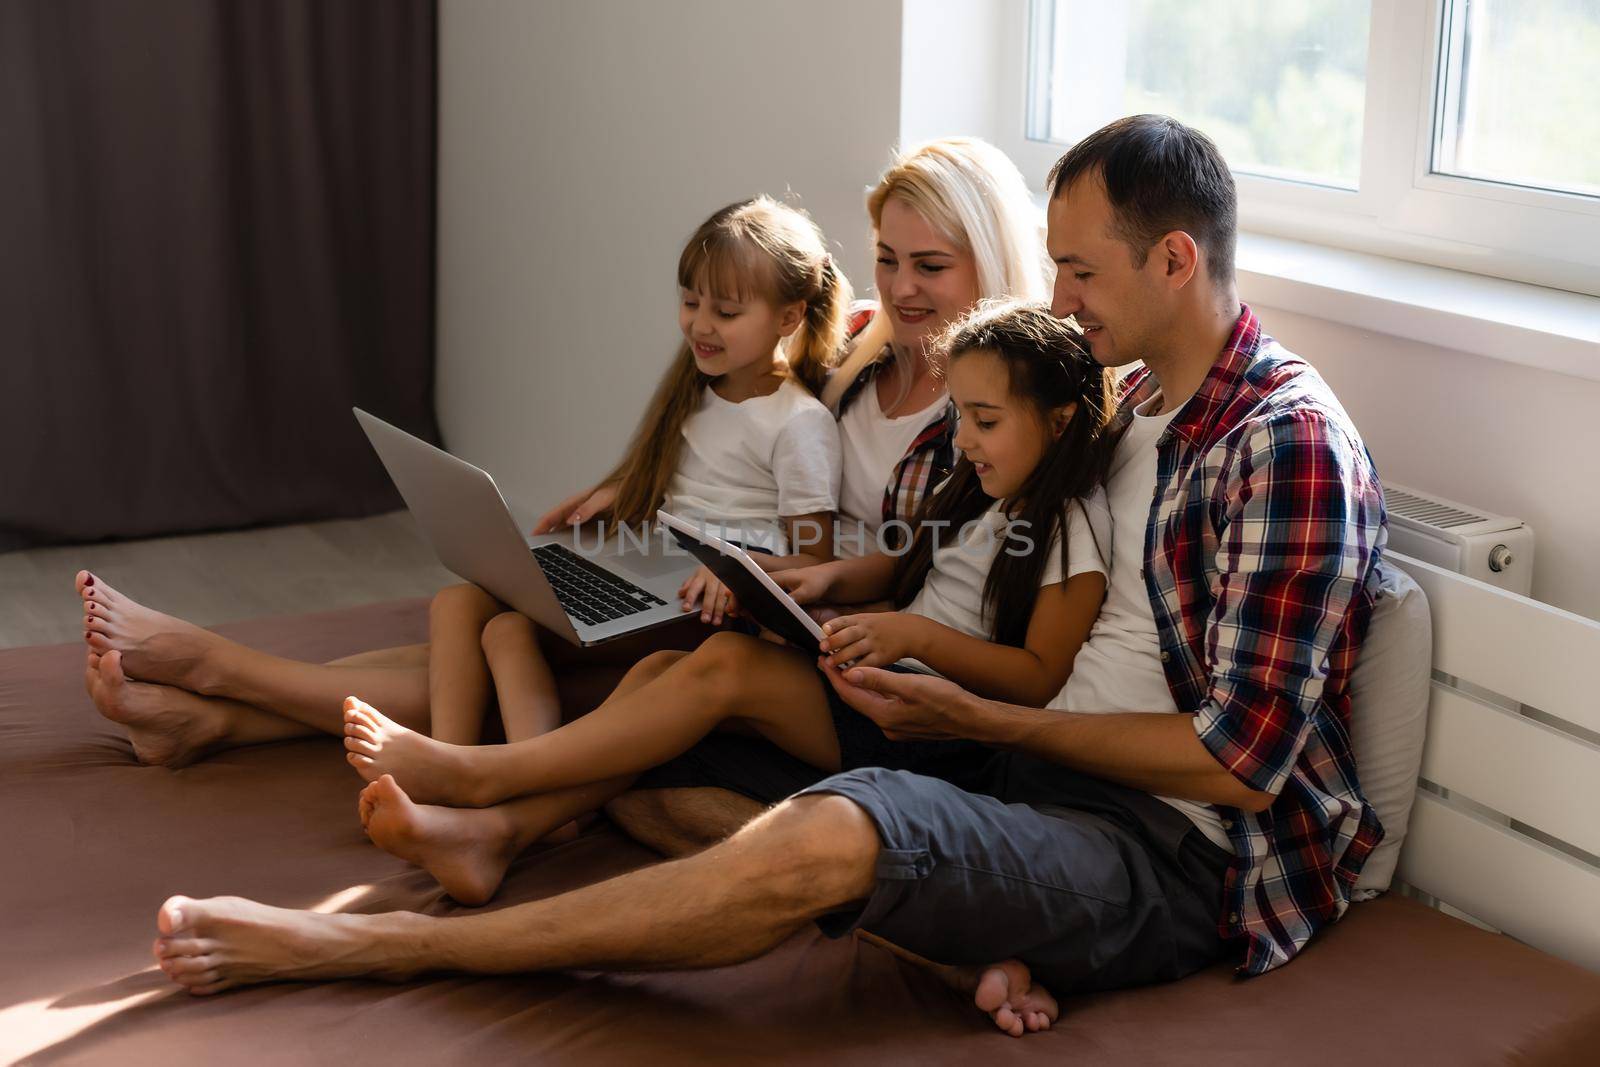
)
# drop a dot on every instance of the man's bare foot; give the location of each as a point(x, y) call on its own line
point(467, 850)
point(155, 647)
point(1006, 991)
point(431, 772)
point(168, 727)
point(211, 945)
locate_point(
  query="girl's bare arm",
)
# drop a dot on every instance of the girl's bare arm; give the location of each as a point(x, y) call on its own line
point(1034, 673)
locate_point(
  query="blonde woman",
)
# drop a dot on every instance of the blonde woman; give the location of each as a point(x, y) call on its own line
point(952, 223)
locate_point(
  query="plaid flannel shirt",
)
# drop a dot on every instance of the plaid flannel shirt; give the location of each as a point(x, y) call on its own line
point(1260, 559)
point(931, 454)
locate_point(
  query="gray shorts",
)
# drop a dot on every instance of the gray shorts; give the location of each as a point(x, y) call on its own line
point(1092, 885)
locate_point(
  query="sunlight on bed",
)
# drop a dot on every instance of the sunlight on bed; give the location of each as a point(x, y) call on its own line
point(38, 1024)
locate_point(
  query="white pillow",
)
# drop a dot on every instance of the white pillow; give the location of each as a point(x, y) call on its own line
point(1389, 690)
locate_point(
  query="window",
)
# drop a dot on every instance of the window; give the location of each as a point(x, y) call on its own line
point(1279, 86)
point(1463, 133)
point(1516, 98)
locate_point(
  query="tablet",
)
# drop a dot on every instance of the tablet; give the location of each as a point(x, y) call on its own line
point(759, 596)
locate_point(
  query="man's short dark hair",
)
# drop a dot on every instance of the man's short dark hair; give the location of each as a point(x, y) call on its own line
point(1160, 176)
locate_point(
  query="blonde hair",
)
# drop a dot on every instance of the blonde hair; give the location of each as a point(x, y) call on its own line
point(973, 194)
point(754, 249)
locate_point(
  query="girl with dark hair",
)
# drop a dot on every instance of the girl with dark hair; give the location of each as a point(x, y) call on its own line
point(1002, 608)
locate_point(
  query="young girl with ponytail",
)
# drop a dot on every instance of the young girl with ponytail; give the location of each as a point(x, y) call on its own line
point(733, 439)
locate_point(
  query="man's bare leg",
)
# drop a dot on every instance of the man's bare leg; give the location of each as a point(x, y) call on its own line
point(165, 650)
point(730, 680)
point(734, 902)
point(681, 821)
point(731, 903)
point(677, 822)
point(458, 675)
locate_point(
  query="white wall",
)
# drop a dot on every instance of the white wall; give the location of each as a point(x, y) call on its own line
point(580, 144)
point(1515, 440)
point(951, 82)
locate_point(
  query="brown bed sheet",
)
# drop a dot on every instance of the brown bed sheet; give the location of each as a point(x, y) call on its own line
point(91, 843)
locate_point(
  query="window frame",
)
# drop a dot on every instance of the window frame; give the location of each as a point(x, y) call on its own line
point(1402, 208)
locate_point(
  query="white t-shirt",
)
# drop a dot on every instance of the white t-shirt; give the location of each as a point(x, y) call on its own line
point(746, 465)
point(1119, 666)
point(872, 444)
point(952, 594)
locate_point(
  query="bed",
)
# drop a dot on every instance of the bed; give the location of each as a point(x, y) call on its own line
point(91, 843)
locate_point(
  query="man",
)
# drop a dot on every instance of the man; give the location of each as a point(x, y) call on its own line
point(1194, 787)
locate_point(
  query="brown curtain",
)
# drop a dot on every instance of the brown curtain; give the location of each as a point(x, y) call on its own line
point(216, 235)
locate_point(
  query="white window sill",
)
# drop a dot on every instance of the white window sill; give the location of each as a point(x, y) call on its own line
point(1512, 321)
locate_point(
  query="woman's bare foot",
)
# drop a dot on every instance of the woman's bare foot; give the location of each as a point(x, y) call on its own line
point(168, 727)
point(1007, 993)
point(431, 772)
point(155, 647)
point(467, 850)
point(211, 945)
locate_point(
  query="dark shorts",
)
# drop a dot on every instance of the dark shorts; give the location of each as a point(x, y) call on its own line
point(862, 744)
point(1092, 885)
point(763, 772)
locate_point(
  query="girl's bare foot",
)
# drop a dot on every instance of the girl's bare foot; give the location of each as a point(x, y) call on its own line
point(430, 771)
point(155, 647)
point(211, 945)
point(467, 850)
point(168, 727)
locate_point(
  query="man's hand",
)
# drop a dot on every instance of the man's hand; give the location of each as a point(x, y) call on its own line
point(906, 707)
point(577, 509)
point(874, 639)
point(706, 591)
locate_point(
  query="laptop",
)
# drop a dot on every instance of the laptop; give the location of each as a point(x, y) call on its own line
point(585, 589)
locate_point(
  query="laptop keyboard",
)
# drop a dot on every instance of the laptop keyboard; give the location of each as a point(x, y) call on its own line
point(587, 591)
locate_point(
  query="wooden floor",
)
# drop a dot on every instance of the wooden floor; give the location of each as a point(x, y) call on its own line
point(215, 578)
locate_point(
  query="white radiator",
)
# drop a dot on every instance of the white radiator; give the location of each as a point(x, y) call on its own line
point(1470, 541)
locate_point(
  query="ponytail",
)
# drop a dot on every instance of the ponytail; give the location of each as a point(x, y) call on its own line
point(755, 248)
point(813, 349)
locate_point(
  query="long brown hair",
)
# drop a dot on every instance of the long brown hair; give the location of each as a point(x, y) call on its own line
point(755, 249)
point(1050, 367)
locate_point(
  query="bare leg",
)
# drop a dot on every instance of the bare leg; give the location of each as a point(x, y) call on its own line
point(530, 705)
point(734, 902)
point(676, 822)
point(174, 727)
point(467, 850)
point(546, 681)
point(404, 656)
point(160, 649)
point(730, 679)
point(731, 903)
point(458, 676)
